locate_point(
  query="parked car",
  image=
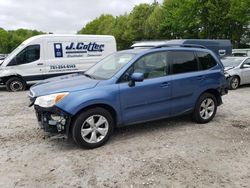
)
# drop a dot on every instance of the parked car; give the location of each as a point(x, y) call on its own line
point(46, 56)
point(237, 70)
point(129, 87)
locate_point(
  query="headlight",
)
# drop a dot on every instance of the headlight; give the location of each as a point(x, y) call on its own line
point(50, 100)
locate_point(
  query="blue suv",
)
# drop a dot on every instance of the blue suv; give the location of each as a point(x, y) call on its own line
point(129, 87)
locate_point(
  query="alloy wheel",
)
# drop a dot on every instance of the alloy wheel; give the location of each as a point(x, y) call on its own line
point(94, 129)
point(207, 108)
point(235, 83)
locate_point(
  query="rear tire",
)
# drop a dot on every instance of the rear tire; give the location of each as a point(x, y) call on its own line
point(205, 108)
point(234, 82)
point(92, 128)
point(15, 84)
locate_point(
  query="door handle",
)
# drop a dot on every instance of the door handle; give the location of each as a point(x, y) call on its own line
point(39, 63)
point(201, 77)
point(165, 84)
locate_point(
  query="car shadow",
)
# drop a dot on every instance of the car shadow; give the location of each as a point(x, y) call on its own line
point(142, 128)
point(132, 131)
point(244, 86)
point(3, 88)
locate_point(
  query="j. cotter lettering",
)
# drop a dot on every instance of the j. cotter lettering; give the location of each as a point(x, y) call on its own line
point(91, 47)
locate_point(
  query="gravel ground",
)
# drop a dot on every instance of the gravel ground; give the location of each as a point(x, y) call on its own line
point(170, 153)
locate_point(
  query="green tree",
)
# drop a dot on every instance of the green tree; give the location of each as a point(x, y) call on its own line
point(136, 29)
point(239, 22)
point(101, 25)
point(3, 41)
point(119, 32)
point(9, 40)
point(180, 19)
point(154, 22)
point(213, 18)
point(109, 25)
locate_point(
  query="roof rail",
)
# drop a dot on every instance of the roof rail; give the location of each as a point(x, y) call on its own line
point(180, 45)
point(143, 46)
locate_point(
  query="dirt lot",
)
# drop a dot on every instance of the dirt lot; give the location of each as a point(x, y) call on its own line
point(169, 153)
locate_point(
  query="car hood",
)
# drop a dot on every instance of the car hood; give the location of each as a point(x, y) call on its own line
point(66, 83)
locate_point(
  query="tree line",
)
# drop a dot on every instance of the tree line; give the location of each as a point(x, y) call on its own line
point(178, 19)
point(173, 19)
point(9, 40)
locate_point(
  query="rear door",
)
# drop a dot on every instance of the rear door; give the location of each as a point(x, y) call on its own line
point(149, 99)
point(185, 80)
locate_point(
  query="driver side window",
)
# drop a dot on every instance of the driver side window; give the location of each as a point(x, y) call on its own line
point(151, 65)
point(247, 62)
point(27, 55)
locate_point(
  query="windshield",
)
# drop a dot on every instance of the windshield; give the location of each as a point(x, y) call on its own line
point(231, 62)
point(13, 52)
point(110, 65)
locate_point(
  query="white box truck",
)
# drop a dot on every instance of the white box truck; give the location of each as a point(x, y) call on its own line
point(46, 56)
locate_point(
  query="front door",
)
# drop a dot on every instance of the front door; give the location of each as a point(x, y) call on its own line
point(29, 63)
point(149, 99)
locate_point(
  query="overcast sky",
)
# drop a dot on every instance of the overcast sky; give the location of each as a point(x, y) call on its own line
point(59, 16)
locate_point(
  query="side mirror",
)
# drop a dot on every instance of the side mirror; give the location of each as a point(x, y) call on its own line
point(135, 77)
point(246, 66)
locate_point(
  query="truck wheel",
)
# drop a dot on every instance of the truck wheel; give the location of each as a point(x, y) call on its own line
point(234, 82)
point(205, 108)
point(15, 84)
point(92, 128)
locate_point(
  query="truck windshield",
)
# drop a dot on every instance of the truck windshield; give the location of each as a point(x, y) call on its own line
point(231, 62)
point(12, 53)
point(110, 65)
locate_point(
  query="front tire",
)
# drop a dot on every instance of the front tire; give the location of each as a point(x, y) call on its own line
point(92, 128)
point(205, 108)
point(15, 84)
point(234, 82)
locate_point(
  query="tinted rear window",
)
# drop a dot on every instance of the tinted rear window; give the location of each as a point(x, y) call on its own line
point(182, 61)
point(206, 60)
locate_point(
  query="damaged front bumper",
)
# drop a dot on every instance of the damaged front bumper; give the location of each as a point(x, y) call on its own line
point(53, 120)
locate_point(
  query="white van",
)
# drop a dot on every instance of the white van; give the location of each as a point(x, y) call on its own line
point(46, 56)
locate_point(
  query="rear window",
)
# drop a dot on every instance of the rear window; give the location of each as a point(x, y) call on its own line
point(206, 60)
point(182, 61)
